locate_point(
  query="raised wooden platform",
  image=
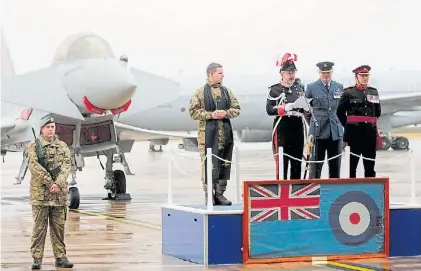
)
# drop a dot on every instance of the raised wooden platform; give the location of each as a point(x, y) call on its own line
point(287, 221)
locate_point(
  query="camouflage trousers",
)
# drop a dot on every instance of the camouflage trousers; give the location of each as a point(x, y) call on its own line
point(56, 217)
point(202, 151)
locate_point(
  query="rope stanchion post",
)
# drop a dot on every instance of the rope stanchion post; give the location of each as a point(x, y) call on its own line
point(237, 175)
point(280, 161)
point(170, 197)
point(360, 167)
point(347, 160)
point(412, 177)
point(209, 182)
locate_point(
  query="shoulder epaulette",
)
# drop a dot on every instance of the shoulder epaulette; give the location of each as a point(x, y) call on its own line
point(348, 87)
point(372, 87)
point(274, 85)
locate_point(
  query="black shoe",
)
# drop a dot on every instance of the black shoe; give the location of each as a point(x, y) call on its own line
point(37, 264)
point(221, 186)
point(63, 263)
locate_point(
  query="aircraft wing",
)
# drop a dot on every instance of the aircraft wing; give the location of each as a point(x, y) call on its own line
point(7, 125)
point(152, 134)
point(151, 91)
point(400, 102)
point(42, 90)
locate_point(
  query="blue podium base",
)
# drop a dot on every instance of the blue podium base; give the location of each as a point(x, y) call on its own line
point(191, 233)
point(405, 230)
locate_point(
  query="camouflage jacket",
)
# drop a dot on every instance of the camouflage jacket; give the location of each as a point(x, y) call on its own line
point(197, 109)
point(57, 154)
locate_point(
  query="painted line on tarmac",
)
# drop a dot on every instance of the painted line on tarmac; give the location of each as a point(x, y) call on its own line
point(368, 266)
point(348, 266)
point(123, 220)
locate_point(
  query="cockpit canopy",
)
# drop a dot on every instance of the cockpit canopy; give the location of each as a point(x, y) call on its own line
point(83, 46)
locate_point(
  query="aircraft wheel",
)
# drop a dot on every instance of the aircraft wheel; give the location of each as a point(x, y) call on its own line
point(153, 149)
point(401, 143)
point(74, 198)
point(120, 181)
point(386, 143)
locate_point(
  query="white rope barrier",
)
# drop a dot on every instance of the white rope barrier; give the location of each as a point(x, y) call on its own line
point(235, 161)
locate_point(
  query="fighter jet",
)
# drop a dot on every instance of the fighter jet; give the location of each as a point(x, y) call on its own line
point(85, 89)
point(400, 107)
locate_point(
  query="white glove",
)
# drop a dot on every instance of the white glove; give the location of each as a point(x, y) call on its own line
point(289, 106)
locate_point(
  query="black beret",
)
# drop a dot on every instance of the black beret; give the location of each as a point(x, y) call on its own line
point(46, 121)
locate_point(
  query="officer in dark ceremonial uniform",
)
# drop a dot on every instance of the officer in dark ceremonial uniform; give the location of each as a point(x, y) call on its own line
point(359, 109)
point(325, 126)
point(289, 125)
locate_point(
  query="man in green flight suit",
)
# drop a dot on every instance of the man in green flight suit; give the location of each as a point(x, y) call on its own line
point(213, 105)
point(49, 164)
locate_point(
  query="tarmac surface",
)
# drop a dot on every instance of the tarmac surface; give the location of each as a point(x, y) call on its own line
point(110, 235)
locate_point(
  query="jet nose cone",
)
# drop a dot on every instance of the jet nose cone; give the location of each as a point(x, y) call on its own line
point(109, 85)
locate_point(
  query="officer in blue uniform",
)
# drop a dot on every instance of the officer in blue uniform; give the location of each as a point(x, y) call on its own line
point(325, 126)
point(359, 110)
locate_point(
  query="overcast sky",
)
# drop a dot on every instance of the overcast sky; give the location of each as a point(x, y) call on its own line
point(166, 36)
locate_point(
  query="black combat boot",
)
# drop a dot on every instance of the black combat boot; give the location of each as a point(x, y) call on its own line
point(63, 263)
point(221, 186)
point(37, 264)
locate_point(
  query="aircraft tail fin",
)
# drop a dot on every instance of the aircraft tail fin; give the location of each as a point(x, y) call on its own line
point(7, 68)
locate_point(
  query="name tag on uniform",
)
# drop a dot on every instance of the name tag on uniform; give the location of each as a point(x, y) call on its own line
point(337, 94)
point(373, 99)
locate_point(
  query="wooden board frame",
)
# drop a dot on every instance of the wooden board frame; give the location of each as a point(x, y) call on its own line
point(246, 223)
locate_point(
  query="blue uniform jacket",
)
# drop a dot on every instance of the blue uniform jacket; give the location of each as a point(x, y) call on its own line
point(324, 106)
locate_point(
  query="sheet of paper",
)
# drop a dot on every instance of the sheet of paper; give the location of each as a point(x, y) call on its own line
point(303, 102)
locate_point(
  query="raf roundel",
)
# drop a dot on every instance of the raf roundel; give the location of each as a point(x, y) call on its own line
point(353, 218)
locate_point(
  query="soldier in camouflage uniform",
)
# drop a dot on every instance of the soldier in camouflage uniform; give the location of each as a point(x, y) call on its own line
point(213, 105)
point(49, 164)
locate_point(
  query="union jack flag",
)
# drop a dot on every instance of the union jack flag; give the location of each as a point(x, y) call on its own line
point(273, 202)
